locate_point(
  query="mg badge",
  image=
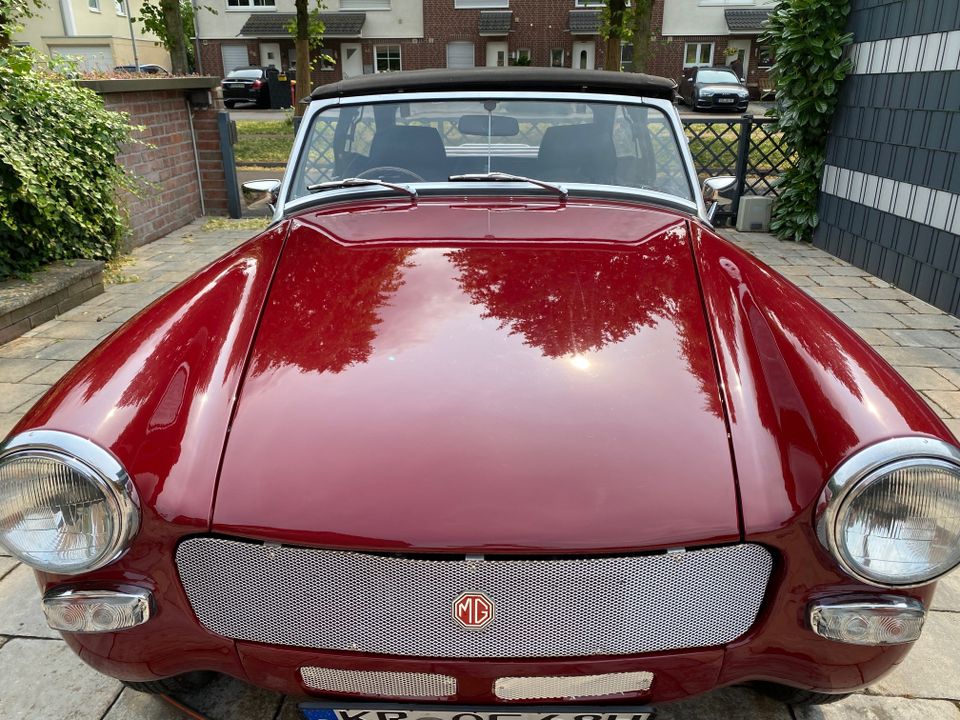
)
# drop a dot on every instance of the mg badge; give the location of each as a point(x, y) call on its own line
point(473, 610)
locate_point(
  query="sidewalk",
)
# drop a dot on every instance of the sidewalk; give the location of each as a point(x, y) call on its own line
point(40, 677)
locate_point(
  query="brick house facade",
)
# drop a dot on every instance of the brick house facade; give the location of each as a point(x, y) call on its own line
point(409, 35)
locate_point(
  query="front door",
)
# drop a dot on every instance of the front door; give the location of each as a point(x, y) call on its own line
point(270, 55)
point(351, 58)
point(496, 54)
point(584, 55)
point(742, 48)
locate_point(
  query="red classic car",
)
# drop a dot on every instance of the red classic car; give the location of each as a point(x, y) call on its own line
point(488, 421)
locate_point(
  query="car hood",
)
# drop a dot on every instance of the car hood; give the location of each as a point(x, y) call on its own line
point(720, 87)
point(482, 377)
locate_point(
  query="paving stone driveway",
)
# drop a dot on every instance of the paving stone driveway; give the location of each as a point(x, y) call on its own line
point(41, 678)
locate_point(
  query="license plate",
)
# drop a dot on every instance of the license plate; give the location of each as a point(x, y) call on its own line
point(345, 711)
point(725, 100)
point(234, 85)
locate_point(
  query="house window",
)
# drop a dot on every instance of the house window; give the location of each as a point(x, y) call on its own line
point(589, 3)
point(364, 4)
point(474, 4)
point(94, 5)
point(698, 55)
point(118, 7)
point(707, 3)
point(387, 58)
point(765, 57)
point(556, 57)
point(522, 57)
point(251, 4)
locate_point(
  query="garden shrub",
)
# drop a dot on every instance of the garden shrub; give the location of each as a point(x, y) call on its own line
point(58, 171)
point(808, 40)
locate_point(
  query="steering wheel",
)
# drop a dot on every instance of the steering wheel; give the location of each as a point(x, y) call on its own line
point(390, 173)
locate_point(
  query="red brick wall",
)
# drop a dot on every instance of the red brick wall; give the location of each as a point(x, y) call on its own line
point(164, 164)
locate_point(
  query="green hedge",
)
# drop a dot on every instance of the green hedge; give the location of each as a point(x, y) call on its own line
point(58, 172)
point(808, 39)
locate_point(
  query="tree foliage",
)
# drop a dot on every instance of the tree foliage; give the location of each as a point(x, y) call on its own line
point(622, 23)
point(154, 21)
point(808, 40)
point(11, 13)
point(58, 169)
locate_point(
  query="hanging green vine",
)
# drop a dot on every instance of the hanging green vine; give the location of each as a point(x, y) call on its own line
point(808, 40)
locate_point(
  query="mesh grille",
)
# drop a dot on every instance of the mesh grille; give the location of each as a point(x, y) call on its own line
point(539, 688)
point(385, 684)
point(335, 600)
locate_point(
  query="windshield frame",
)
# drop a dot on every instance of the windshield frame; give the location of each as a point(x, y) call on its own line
point(286, 205)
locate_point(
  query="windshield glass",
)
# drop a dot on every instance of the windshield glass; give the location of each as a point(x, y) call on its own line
point(718, 77)
point(555, 140)
point(248, 74)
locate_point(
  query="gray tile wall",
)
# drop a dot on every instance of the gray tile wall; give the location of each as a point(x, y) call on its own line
point(902, 128)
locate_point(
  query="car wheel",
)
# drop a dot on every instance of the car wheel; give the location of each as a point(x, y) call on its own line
point(796, 696)
point(188, 683)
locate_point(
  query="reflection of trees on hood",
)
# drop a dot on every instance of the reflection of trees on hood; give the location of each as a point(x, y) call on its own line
point(569, 302)
point(331, 308)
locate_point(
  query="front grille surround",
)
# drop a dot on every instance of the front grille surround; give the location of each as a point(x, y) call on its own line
point(359, 602)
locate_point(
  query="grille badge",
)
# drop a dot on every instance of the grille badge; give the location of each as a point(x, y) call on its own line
point(473, 610)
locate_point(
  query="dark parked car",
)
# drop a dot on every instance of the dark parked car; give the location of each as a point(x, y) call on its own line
point(714, 88)
point(488, 419)
point(246, 85)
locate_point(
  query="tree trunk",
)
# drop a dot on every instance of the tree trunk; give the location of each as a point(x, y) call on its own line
point(611, 53)
point(641, 35)
point(304, 81)
point(177, 41)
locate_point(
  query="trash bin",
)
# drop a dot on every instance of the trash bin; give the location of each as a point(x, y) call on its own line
point(278, 85)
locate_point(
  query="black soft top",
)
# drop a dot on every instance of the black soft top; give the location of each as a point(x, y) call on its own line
point(510, 78)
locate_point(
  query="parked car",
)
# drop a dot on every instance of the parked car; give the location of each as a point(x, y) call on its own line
point(246, 85)
point(714, 88)
point(148, 69)
point(489, 416)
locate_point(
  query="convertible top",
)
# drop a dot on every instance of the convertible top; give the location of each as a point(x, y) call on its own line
point(510, 78)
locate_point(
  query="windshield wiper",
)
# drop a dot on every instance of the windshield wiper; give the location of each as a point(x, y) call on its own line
point(362, 182)
point(507, 177)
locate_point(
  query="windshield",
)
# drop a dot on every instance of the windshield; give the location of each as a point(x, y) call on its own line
point(564, 141)
point(717, 77)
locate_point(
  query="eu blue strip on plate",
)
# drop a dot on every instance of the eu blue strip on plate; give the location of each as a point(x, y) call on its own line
point(315, 713)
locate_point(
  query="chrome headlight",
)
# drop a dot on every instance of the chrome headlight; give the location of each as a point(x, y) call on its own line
point(707, 92)
point(743, 94)
point(891, 513)
point(67, 506)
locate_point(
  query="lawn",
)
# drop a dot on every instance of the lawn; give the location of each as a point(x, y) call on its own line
point(263, 141)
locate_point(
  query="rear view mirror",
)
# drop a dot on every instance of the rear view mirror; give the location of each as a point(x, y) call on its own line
point(492, 125)
point(258, 191)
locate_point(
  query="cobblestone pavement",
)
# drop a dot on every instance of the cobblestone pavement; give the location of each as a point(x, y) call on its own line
point(41, 678)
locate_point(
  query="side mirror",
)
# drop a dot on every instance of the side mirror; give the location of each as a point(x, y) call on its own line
point(258, 191)
point(712, 189)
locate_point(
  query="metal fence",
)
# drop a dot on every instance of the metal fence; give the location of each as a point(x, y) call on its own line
point(747, 147)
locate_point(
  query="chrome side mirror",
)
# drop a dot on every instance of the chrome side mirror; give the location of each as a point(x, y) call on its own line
point(712, 188)
point(259, 191)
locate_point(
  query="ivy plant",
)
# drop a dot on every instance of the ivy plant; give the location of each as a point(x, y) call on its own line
point(59, 175)
point(808, 40)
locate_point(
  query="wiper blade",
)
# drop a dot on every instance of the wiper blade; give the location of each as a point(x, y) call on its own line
point(507, 177)
point(362, 182)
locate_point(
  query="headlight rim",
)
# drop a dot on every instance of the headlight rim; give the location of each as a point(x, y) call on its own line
point(865, 465)
point(102, 467)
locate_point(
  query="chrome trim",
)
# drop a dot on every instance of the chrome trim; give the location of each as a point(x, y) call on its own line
point(883, 604)
point(865, 466)
point(377, 683)
point(286, 206)
point(103, 468)
point(570, 687)
point(141, 599)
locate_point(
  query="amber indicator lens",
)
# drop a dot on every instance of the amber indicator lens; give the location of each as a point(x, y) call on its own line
point(901, 525)
point(55, 514)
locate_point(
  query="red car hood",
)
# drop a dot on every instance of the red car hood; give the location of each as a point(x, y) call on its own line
point(482, 377)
